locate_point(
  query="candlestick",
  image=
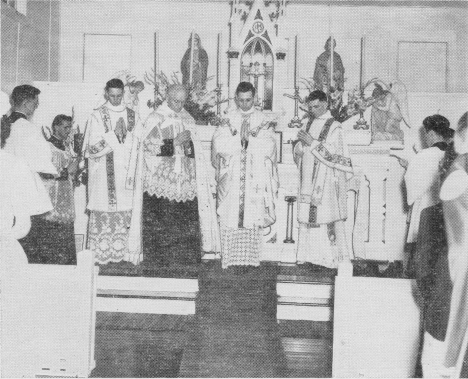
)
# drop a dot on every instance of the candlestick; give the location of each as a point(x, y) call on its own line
point(156, 64)
point(192, 48)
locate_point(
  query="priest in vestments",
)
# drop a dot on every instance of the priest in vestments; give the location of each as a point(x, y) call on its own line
point(174, 217)
point(22, 138)
point(109, 138)
point(322, 157)
point(244, 157)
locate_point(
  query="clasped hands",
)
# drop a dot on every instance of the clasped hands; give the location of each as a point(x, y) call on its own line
point(305, 138)
point(183, 138)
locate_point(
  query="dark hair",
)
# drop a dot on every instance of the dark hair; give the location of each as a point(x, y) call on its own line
point(22, 93)
point(462, 123)
point(438, 124)
point(245, 87)
point(317, 95)
point(59, 119)
point(114, 83)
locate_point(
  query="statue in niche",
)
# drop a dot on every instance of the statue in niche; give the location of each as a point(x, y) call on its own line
point(389, 108)
point(323, 68)
point(199, 67)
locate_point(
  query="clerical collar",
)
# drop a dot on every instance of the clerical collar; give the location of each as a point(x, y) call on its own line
point(442, 145)
point(15, 116)
point(246, 113)
point(325, 116)
point(57, 142)
point(119, 108)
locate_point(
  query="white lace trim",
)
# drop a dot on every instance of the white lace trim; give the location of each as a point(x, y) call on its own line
point(164, 182)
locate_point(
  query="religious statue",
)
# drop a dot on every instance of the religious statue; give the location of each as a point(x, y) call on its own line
point(194, 66)
point(389, 108)
point(322, 78)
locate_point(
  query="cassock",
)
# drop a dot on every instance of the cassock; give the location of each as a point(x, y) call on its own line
point(27, 142)
point(427, 228)
point(174, 217)
point(108, 144)
point(454, 193)
point(244, 157)
point(61, 193)
point(324, 168)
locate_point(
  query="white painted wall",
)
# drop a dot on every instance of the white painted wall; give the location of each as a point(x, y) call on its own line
point(383, 26)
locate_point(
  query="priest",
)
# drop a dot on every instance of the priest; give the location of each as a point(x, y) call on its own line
point(244, 157)
point(108, 143)
point(174, 217)
point(322, 157)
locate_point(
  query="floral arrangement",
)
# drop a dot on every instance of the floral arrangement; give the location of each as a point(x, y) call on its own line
point(200, 101)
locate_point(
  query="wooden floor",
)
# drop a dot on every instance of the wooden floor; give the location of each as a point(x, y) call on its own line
point(234, 333)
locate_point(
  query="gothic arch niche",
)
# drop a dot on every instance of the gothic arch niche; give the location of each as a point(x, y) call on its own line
point(257, 68)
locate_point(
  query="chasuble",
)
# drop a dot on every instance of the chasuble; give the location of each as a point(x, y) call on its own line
point(325, 167)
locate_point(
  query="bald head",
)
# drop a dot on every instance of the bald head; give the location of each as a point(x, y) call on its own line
point(176, 97)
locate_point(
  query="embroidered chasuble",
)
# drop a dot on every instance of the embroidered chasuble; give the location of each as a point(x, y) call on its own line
point(174, 217)
point(324, 168)
point(110, 135)
point(244, 157)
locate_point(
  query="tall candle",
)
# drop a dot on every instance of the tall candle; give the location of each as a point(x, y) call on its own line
point(295, 61)
point(218, 60)
point(332, 53)
point(192, 48)
point(156, 53)
point(363, 55)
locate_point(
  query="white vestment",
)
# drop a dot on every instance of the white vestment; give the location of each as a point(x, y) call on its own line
point(247, 185)
point(109, 201)
point(27, 142)
point(324, 167)
point(145, 166)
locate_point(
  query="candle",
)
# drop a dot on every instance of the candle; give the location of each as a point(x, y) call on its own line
point(332, 53)
point(361, 68)
point(218, 60)
point(156, 53)
point(192, 48)
point(295, 61)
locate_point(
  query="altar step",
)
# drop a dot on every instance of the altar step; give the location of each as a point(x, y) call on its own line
point(308, 300)
point(299, 297)
point(146, 295)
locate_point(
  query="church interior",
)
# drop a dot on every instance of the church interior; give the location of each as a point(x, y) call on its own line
point(197, 319)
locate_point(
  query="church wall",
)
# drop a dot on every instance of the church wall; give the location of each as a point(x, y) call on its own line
point(383, 26)
point(30, 43)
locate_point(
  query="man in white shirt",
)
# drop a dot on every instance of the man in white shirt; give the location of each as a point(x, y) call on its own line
point(22, 138)
point(322, 157)
point(108, 144)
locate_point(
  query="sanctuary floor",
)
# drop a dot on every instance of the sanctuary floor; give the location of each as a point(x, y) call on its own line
point(234, 333)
